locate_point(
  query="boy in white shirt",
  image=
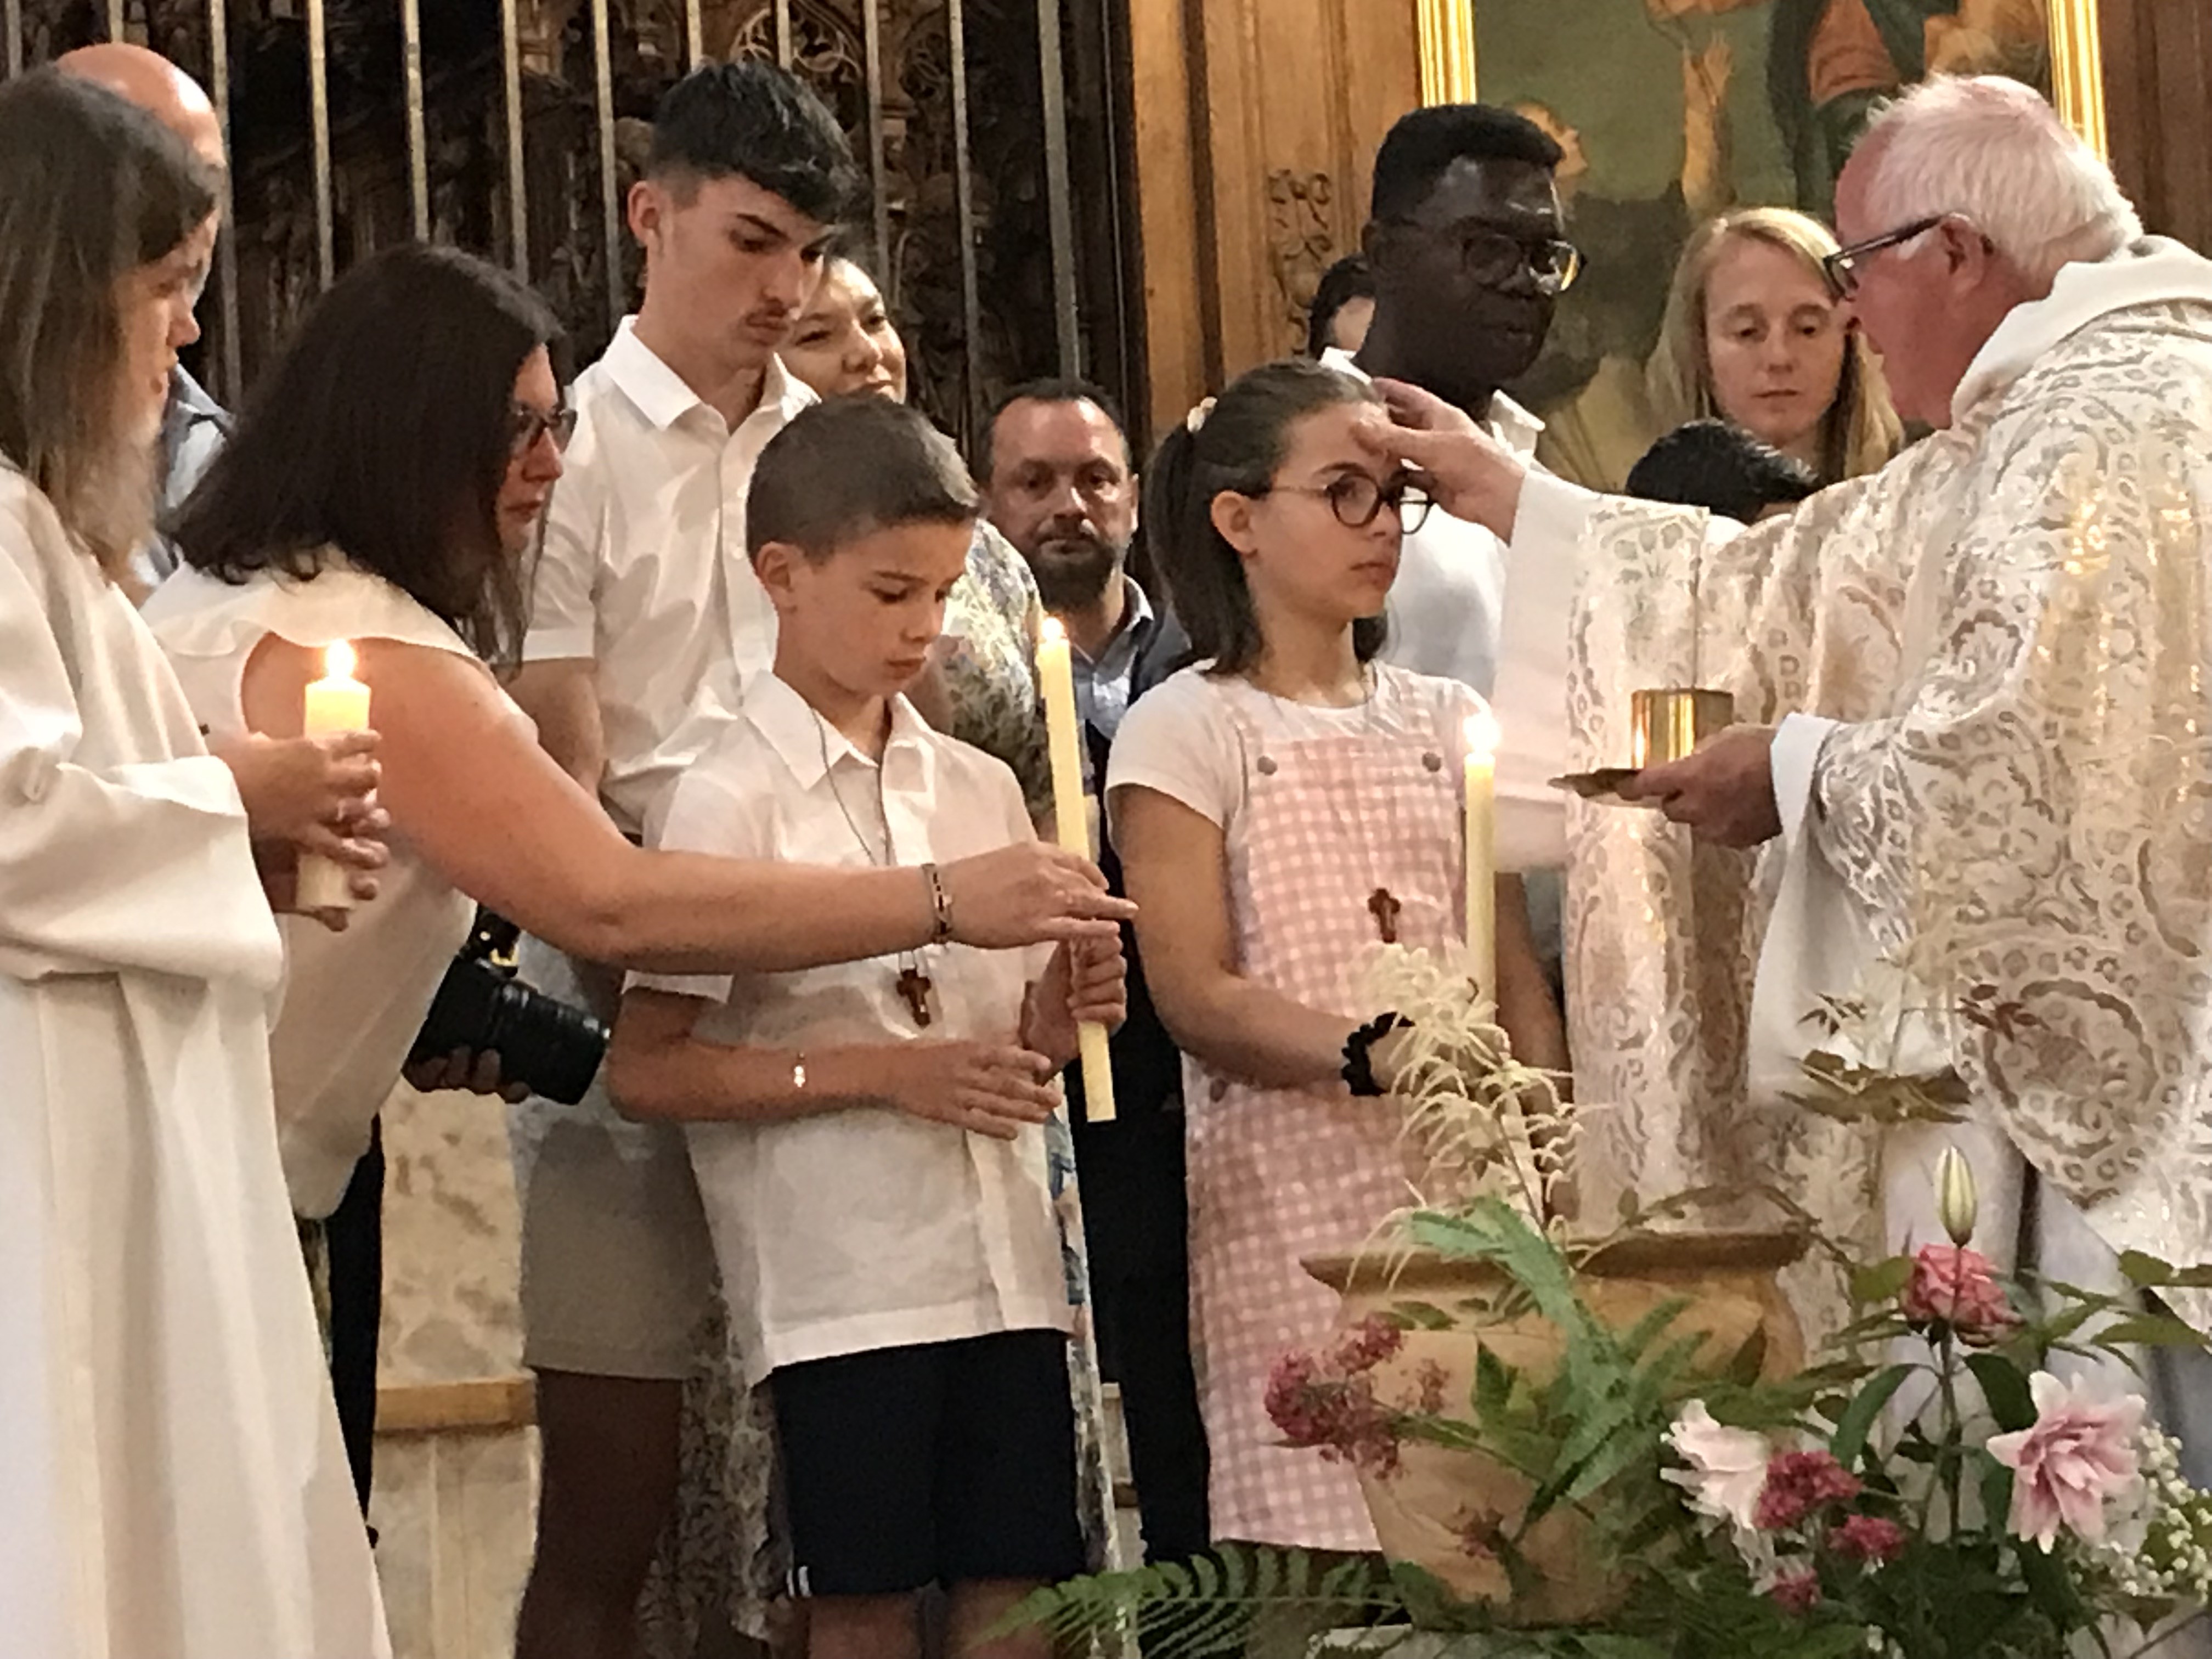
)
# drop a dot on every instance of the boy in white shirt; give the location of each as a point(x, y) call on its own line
point(866, 1136)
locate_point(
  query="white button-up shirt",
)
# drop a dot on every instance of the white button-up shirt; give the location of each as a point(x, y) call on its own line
point(853, 1230)
point(644, 569)
point(1450, 593)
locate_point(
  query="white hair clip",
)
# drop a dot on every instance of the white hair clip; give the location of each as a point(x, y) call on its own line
point(1196, 418)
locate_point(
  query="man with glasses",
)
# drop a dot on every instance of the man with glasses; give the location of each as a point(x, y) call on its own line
point(1973, 706)
point(1467, 245)
point(1469, 257)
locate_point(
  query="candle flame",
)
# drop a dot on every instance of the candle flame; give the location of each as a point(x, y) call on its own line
point(1052, 633)
point(1483, 735)
point(337, 661)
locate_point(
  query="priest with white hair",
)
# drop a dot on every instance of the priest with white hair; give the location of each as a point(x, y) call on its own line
point(1974, 697)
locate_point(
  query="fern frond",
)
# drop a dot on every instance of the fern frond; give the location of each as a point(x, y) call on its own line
point(1208, 1609)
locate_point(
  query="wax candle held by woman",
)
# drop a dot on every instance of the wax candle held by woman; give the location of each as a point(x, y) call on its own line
point(1280, 808)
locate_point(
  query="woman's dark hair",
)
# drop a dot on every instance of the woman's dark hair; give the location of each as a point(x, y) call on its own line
point(92, 188)
point(1347, 280)
point(386, 432)
point(1238, 445)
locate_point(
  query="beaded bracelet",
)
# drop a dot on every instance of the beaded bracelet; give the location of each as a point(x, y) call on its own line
point(1358, 1071)
point(940, 907)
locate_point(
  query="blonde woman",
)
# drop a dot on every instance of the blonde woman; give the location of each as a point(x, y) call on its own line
point(172, 1480)
point(1755, 336)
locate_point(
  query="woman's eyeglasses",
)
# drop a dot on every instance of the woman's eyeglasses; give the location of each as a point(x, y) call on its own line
point(1357, 500)
point(529, 425)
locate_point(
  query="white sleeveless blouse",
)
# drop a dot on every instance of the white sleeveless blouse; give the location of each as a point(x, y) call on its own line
point(352, 1002)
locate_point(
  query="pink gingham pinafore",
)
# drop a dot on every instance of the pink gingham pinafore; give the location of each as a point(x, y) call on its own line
point(1276, 1175)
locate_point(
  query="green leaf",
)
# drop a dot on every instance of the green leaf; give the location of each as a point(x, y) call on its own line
point(1646, 1330)
point(1493, 1383)
point(2149, 1273)
point(1884, 1281)
point(1857, 1421)
point(2144, 1270)
point(1749, 1359)
point(2006, 1389)
point(1421, 1317)
point(2150, 1331)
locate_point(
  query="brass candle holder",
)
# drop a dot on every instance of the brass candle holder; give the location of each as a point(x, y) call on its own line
point(1667, 725)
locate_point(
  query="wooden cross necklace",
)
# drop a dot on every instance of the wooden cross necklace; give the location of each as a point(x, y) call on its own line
point(914, 985)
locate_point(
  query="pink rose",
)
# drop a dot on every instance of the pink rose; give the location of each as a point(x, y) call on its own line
point(1958, 1287)
point(1797, 1484)
point(1868, 1538)
point(1800, 1592)
point(2080, 1452)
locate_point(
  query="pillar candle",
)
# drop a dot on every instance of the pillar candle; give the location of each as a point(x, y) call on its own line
point(337, 703)
point(1070, 814)
point(1481, 822)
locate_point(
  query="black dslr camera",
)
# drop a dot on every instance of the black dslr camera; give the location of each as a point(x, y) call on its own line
point(542, 1041)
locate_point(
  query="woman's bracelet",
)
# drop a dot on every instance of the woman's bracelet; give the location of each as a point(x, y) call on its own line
point(940, 907)
point(1358, 1071)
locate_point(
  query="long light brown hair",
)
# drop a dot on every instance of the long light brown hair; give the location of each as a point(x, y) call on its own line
point(1860, 431)
point(92, 188)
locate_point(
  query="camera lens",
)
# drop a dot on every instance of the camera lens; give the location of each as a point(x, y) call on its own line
point(555, 1048)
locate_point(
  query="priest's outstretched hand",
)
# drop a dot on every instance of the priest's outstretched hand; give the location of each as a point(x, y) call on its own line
point(1469, 473)
point(1724, 792)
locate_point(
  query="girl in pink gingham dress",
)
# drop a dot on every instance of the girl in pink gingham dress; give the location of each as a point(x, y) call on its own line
point(1280, 808)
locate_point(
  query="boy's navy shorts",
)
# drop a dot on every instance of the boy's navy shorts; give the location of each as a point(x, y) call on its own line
point(938, 1463)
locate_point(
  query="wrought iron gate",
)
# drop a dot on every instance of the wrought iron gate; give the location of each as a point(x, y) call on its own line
point(995, 134)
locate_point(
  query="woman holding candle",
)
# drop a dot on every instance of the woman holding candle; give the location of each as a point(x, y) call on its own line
point(171, 1476)
point(385, 488)
point(1280, 808)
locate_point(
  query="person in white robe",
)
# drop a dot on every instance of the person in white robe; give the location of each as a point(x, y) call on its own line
point(172, 1482)
point(1977, 722)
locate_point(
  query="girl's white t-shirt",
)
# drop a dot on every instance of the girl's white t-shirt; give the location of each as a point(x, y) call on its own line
point(1183, 738)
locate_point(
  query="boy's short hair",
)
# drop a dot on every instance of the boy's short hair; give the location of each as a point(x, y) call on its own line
point(850, 467)
point(752, 120)
point(1721, 467)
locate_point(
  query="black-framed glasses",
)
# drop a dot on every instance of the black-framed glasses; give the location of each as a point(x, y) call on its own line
point(1357, 500)
point(1841, 268)
point(1493, 258)
point(529, 425)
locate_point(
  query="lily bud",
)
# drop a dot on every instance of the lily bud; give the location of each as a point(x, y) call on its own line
point(1956, 1201)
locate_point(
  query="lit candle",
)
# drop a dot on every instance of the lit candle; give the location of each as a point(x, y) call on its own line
point(1482, 736)
point(336, 702)
point(1071, 816)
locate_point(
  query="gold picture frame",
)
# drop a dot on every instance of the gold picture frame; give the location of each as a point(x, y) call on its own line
point(2077, 75)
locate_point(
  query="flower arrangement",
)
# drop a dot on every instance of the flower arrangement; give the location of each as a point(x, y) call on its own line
point(1932, 1489)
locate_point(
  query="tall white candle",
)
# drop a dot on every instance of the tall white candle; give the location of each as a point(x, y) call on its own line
point(1070, 814)
point(337, 703)
point(1481, 822)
